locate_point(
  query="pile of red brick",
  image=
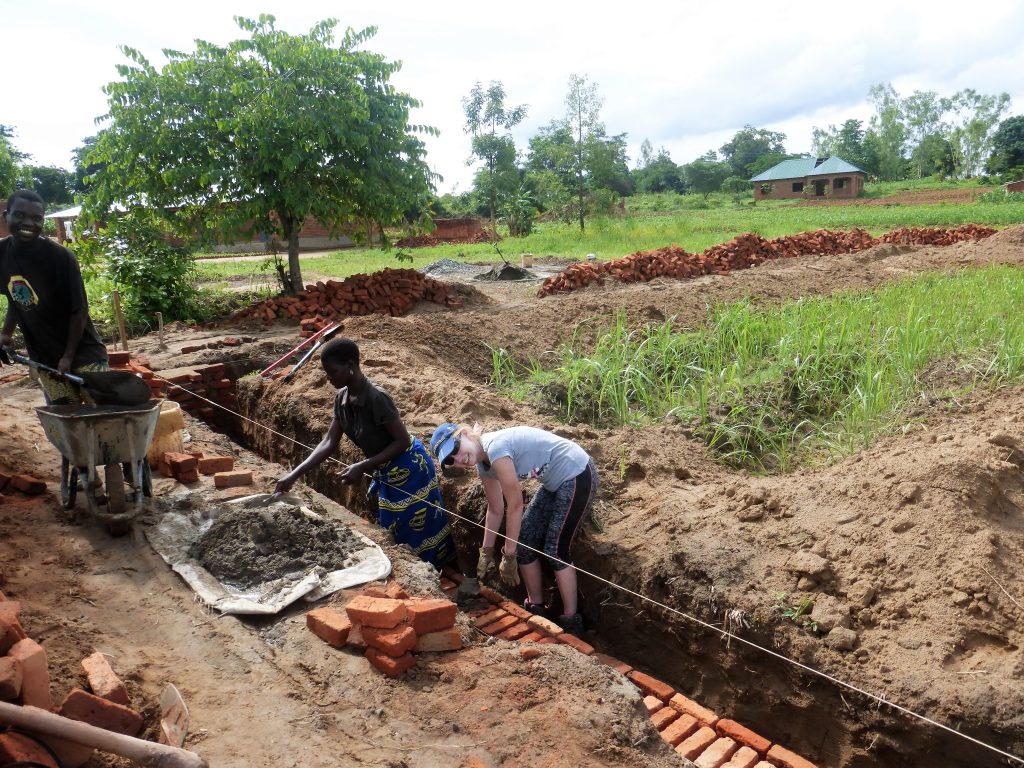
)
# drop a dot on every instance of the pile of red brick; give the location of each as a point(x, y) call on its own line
point(388, 292)
point(388, 627)
point(187, 467)
point(742, 252)
point(25, 679)
point(198, 386)
point(426, 241)
point(122, 361)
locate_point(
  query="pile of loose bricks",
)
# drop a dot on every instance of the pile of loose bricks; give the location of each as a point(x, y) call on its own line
point(744, 251)
point(383, 624)
point(25, 680)
point(387, 292)
point(389, 627)
point(26, 484)
point(186, 468)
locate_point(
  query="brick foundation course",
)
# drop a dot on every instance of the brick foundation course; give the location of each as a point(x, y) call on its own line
point(651, 685)
point(786, 759)
point(717, 754)
point(745, 757)
point(692, 746)
point(742, 735)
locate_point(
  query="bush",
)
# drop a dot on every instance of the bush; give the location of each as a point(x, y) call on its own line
point(153, 271)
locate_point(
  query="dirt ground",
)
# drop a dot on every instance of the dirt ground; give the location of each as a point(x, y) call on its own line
point(915, 545)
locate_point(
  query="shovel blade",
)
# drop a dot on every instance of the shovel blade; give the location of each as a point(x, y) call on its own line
point(173, 717)
point(116, 387)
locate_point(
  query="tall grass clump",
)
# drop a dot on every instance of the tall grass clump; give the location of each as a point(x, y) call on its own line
point(817, 377)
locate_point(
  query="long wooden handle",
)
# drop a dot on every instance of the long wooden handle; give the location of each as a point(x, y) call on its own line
point(146, 753)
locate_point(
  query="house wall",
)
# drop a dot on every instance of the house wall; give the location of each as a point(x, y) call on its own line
point(1015, 186)
point(467, 227)
point(782, 189)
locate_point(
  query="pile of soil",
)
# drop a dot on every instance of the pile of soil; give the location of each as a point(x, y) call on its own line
point(506, 272)
point(247, 547)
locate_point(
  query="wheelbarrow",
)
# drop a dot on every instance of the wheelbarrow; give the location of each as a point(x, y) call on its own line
point(115, 437)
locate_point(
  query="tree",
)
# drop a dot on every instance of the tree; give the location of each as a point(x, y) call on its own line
point(485, 114)
point(847, 142)
point(582, 110)
point(706, 174)
point(659, 174)
point(923, 111)
point(886, 137)
point(933, 156)
point(749, 145)
point(261, 133)
point(83, 170)
point(975, 116)
point(1008, 147)
point(53, 184)
point(10, 162)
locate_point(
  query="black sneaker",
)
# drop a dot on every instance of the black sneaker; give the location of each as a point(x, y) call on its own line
point(537, 609)
point(572, 625)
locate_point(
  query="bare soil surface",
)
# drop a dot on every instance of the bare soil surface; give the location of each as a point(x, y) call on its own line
point(912, 548)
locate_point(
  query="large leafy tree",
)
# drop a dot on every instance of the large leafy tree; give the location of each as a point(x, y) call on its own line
point(1008, 147)
point(753, 147)
point(706, 174)
point(847, 142)
point(974, 120)
point(53, 184)
point(261, 133)
point(657, 173)
point(582, 117)
point(489, 121)
point(11, 160)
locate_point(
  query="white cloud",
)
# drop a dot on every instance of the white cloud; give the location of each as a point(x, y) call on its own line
point(685, 75)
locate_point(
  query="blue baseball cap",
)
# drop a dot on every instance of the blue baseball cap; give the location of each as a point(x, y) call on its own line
point(444, 441)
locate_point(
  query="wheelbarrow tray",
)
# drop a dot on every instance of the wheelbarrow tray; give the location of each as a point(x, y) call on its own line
point(90, 435)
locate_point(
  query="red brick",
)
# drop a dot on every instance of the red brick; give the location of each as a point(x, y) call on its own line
point(329, 625)
point(190, 476)
point(181, 462)
point(609, 661)
point(651, 685)
point(431, 615)
point(745, 757)
point(653, 704)
point(378, 612)
point(491, 616)
point(529, 654)
point(35, 674)
point(10, 633)
point(693, 745)
point(17, 748)
point(233, 479)
point(211, 465)
point(28, 484)
point(516, 610)
point(121, 357)
point(389, 666)
point(663, 718)
point(531, 638)
point(742, 735)
point(515, 632)
point(222, 384)
point(548, 640)
point(689, 707)
point(394, 590)
point(434, 642)
point(355, 638)
point(783, 757)
point(103, 681)
point(452, 574)
point(10, 611)
point(4, 480)
point(580, 645)
point(80, 705)
point(192, 348)
point(499, 626)
point(717, 754)
point(547, 626)
point(491, 595)
point(230, 341)
point(680, 729)
point(394, 642)
point(10, 679)
point(211, 372)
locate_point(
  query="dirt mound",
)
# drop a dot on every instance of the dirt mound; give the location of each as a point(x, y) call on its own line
point(506, 272)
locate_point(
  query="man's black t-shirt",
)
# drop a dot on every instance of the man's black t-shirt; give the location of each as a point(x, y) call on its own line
point(44, 287)
point(363, 420)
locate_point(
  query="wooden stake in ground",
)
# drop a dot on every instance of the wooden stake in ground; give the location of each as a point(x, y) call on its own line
point(120, 319)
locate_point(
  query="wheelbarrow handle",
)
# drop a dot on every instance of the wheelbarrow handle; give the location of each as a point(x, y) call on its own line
point(41, 366)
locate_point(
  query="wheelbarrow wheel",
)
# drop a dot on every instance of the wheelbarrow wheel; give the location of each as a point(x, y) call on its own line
point(113, 475)
point(147, 479)
point(68, 483)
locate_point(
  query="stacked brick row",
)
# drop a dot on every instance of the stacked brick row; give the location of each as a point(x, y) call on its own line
point(742, 252)
point(389, 627)
point(199, 385)
point(697, 733)
point(25, 680)
point(122, 361)
point(186, 468)
point(388, 292)
point(427, 241)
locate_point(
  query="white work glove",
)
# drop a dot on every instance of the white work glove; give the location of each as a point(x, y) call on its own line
point(509, 570)
point(485, 562)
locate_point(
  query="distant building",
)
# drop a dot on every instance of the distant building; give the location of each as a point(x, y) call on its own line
point(809, 177)
point(1014, 186)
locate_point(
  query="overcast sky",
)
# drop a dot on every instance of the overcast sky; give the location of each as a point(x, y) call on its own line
point(685, 75)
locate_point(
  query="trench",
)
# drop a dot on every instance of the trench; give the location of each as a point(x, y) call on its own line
point(815, 718)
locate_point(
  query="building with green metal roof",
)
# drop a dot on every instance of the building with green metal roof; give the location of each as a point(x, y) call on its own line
point(809, 177)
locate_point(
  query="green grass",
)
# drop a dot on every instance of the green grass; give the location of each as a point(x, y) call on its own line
point(812, 379)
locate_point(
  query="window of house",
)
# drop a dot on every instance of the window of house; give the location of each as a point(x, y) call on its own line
point(798, 186)
point(839, 183)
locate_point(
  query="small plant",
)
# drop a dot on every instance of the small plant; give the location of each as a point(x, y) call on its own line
point(622, 463)
point(402, 256)
point(798, 613)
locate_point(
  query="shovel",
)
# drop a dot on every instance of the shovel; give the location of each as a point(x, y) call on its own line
point(145, 753)
point(305, 358)
point(105, 387)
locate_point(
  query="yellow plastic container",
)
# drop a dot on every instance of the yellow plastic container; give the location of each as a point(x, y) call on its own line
point(167, 435)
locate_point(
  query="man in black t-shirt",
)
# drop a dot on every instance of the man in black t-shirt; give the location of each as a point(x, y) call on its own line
point(46, 299)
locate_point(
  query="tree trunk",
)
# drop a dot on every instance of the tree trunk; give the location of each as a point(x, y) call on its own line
point(291, 233)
